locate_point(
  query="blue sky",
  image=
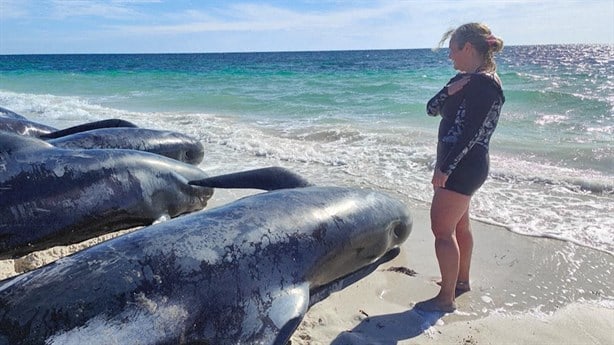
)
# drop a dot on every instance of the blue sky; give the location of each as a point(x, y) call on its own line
point(152, 26)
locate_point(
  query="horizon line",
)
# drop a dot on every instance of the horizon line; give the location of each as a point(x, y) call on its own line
point(289, 51)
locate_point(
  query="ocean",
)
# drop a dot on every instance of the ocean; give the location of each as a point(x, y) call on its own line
point(358, 118)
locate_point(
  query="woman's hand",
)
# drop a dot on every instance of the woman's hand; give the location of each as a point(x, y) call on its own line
point(439, 179)
point(456, 86)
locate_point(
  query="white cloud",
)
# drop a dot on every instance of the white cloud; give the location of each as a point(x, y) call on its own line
point(10, 9)
point(263, 17)
point(62, 9)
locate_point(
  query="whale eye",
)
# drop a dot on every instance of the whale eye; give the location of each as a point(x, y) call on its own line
point(398, 229)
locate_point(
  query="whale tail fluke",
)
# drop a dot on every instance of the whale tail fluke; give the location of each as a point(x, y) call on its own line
point(271, 178)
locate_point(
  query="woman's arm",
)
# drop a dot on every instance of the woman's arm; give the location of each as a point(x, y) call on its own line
point(435, 104)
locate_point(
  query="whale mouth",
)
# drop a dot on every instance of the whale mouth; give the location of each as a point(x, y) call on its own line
point(320, 292)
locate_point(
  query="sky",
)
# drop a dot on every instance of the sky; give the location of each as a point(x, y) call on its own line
point(178, 26)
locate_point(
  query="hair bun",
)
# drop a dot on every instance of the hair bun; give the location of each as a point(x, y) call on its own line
point(495, 44)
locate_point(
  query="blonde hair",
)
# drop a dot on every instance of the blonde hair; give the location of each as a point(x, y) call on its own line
point(480, 37)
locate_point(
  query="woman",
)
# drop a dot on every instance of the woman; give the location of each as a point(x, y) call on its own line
point(469, 105)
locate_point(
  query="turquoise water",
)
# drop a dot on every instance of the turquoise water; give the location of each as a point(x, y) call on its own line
point(358, 118)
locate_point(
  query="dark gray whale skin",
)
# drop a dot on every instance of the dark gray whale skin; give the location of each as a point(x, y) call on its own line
point(12, 122)
point(51, 196)
point(242, 273)
point(15, 123)
point(108, 134)
point(7, 113)
point(166, 143)
point(269, 178)
point(109, 123)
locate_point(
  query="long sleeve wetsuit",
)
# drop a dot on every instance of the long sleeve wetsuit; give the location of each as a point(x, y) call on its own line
point(469, 118)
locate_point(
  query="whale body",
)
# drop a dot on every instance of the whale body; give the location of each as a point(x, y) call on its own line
point(166, 143)
point(51, 196)
point(242, 273)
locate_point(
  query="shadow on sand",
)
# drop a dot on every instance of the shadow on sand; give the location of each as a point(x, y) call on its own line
point(389, 329)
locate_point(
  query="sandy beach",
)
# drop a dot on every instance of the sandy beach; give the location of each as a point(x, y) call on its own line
point(525, 290)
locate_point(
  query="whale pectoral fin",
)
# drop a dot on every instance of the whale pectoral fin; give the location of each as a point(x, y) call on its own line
point(271, 178)
point(287, 311)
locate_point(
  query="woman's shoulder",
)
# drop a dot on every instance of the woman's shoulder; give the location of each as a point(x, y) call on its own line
point(457, 77)
point(488, 77)
point(486, 80)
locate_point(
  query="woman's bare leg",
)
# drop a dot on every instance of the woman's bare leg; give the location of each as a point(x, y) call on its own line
point(447, 210)
point(464, 238)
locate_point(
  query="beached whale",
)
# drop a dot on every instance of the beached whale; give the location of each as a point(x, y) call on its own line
point(166, 143)
point(12, 122)
point(51, 196)
point(242, 273)
point(108, 134)
point(7, 113)
point(16, 123)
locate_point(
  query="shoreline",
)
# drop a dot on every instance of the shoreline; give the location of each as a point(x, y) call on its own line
point(524, 290)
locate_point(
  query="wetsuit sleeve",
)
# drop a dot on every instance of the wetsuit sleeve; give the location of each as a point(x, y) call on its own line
point(435, 104)
point(480, 107)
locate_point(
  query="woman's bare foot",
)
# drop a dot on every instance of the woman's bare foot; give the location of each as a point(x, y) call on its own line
point(434, 305)
point(461, 287)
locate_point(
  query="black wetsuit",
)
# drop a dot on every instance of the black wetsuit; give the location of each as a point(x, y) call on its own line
point(469, 118)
